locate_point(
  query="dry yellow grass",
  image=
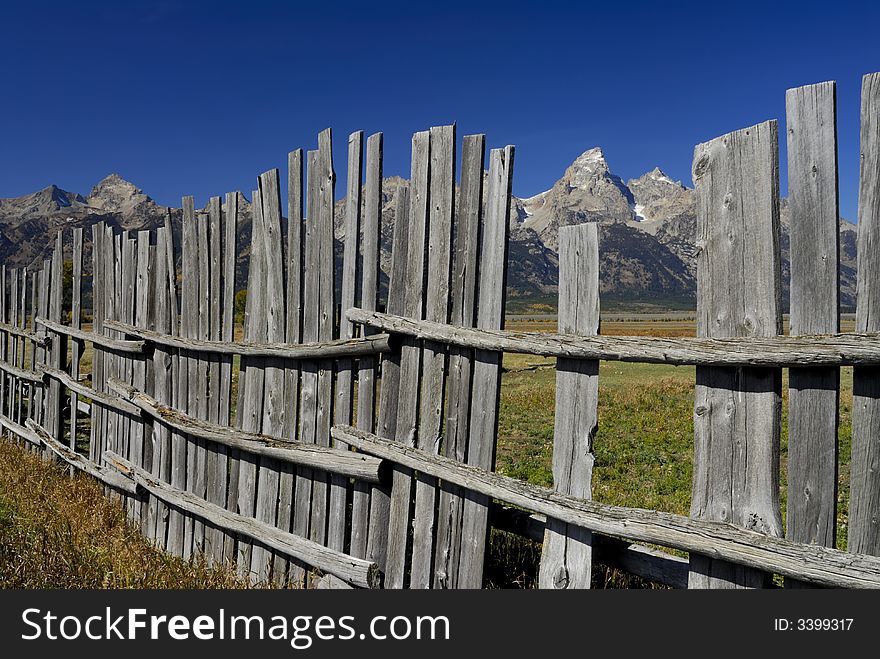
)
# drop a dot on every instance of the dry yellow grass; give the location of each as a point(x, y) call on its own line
point(61, 532)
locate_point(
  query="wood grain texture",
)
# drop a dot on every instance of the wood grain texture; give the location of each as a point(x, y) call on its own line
point(814, 235)
point(76, 346)
point(342, 409)
point(251, 378)
point(389, 389)
point(487, 365)
point(367, 366)
point(463, 292)
point(356, 571)
point(864, 520)
point(273, 392)
point(432, 397)
point(727, 542)
point(566, 558)
point(737, 410)
point(406, 423)
point(229, 248)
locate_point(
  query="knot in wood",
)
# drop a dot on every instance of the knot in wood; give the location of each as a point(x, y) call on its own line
point(701, 166)
point(560, 578)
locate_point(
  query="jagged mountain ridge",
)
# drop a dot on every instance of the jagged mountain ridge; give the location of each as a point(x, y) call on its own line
point(647, 229)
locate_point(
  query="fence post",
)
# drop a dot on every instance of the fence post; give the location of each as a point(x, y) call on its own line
point(864, 520)
point(566, 560)
point(815, 237)
point(737, 409)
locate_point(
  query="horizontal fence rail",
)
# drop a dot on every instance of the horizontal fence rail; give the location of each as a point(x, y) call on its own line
point(846, 349)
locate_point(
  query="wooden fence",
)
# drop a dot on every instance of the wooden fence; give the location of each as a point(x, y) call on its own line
point(323, 464)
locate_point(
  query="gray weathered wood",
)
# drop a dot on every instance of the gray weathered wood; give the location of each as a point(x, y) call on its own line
point(463, 314)
point(96, 424)
point(326, 198)
point(76, 346)
point(389, 390)
point(227, 333)
point(813, 563)
point(335, 349)
point(339, 461)
point(309, 372)
point(273, 404)
point(103, 474)
point(864, 520)
point(847, 349)
point(410, 362)
point(40, 339)
point(199, 396)
point(815, 240)
point(355, 571)
point(58, 351)
point(366, 379)
point(292, 334)
point(737, 410)
point(98, 397)
point(433, 377)
point(342, 408)
point(566, 558)
point(487, 365)
point(115, 345)
point(251, 379)
point(651, 564)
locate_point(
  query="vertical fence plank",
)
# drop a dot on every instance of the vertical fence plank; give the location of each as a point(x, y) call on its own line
point(815, 237)
point(410, 362)
point(292, 334)
point(141, 431)
point(366, 396)
point(864, 520)
point(433, 378)
point(566, 559)
point(342, 411)
point(389, 388)
point(96, 424)
point(326, 327)
point(487, 365)
point(229, 249)
point(252, 401)
point(157, 510)
point(463, 294)
point(309, 370)
point(23, 347)
point(57, 357)
point(737, 410)
point(76, 345)
point(273, 403)
point(218, 462)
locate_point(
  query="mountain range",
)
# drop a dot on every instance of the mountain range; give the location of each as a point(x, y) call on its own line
point(647, 232)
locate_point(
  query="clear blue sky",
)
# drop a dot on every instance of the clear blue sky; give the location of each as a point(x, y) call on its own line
point(198, 98)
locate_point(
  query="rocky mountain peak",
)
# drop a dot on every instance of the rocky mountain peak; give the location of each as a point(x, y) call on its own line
point(586, 169)
point(114, 194)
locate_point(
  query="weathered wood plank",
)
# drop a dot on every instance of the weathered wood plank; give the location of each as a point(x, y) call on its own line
point(114, 345)
point(432, 397)
point(326, 326)
point(199, 403)
point(333, 460)
point(814, 248)
point(566, 559)
point(103, 474)
point(342, 408)
point(463, 295)
point(410, 362)
point(359, 572)
point(813, 563)
point(292, 334)
point(76, 346)
point(96, 425)
point(737, 410)
point(366, 382)
point(251, 379)
point(864, 521)
point(309, 372)
point(273, 403)
point(389, 389)
point(140, 433)
point(58, 351)
point(227, 333)
point(487, 365)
